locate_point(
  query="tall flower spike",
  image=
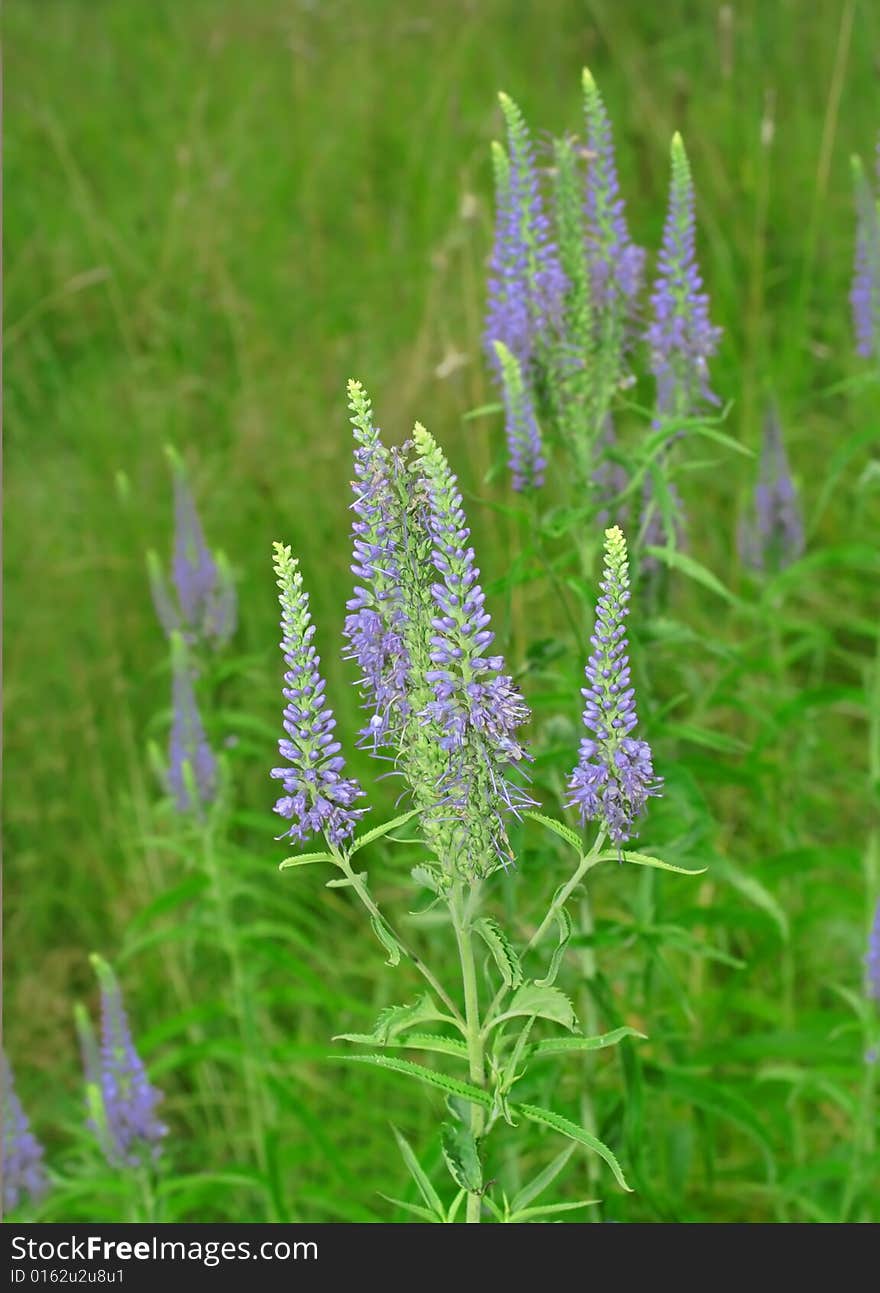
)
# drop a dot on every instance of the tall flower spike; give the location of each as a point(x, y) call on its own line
point(865, 293)
point(614, 776)
point(21, 1155)
point(525, 451)
point(129, 1130)
point(569, 385)
point(616, 264)
point(507, 306)
point(203, 605)
point(192, 768)
point(527, 285)
point(317, 797)
point(376, 621)
point(775, 536)
point(681, 337)
point(471, 693)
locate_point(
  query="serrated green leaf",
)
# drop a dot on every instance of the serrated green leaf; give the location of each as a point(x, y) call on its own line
point(396, 1019)
point(502, 950)
point(429, 878)
point(462, 1157)
point(563, 920)
point(413, 1042)
point(304, 859)
point(387, 939)
point(418, 1174)
point(546, 1003)
point(565, 1045)
point(540, 1182)
point(452, 1086)
point(558, 828)
point(644, 859)
point(568, 1128)
point(385, 828)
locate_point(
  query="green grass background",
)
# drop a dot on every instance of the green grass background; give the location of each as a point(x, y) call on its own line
point(216, 212)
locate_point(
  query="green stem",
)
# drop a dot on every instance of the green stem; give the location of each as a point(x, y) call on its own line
point(242, 1003)
point(461, 920)
point(144, 1201)
point(586, 863)
point(357, 882)
point(591, 1027)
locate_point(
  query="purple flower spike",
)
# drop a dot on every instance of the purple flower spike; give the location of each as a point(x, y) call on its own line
point(127, 1125)
point(472, 695)
point(525, 450)
point(865, 293)
point(21, 1153)
point(526, 282)
point(192, 768)
point(775, 538)
point(616, 264)
point(681, 337)
point(317, 797)
point(203, 606)
point(476, 708)
point(872, 958)
point(507, 309)
point(614, 776)
point(376, 621)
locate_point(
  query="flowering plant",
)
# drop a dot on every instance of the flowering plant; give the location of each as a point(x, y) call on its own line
point(448, 716)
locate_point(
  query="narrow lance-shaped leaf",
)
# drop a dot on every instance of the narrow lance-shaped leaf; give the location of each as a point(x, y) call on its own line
point(568, 1128)
point(432, 1199)
point(452, 1086)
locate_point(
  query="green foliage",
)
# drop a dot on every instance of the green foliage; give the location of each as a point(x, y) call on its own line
point(499, 945)
point(168, 250)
